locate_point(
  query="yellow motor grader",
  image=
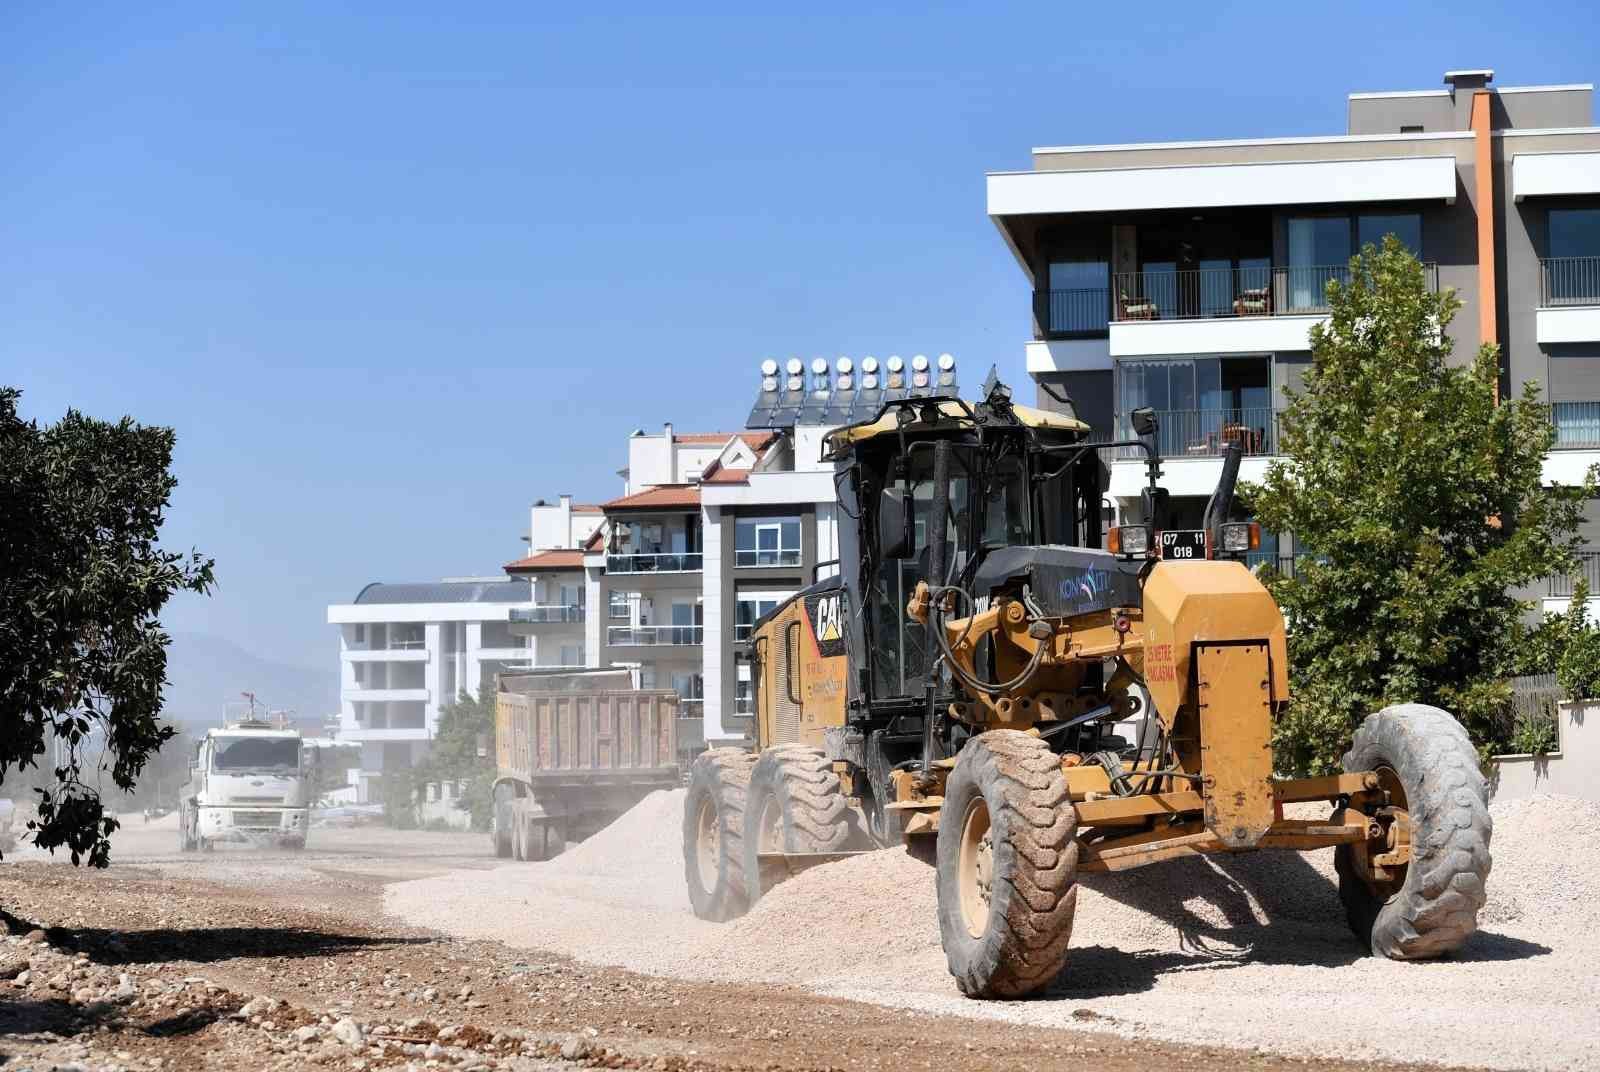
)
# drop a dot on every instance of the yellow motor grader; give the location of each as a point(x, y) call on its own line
point(962, 686)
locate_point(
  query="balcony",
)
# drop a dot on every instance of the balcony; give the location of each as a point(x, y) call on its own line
point(1577, 425)
point(1567, 281)
point(1213, 293)
point(654, 636)
point(550, 614)
point(1206, 433)
point(751, 557)
point(1563, 584)
point(655, 563)
point(1569, 300)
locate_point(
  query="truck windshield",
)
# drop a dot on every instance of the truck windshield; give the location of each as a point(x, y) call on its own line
point(255, 753)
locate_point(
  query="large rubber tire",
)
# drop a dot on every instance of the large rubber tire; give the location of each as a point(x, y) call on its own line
point(504, 818)
point(713, 833)
point(795, 804)
point(1434, 907)
point(1007, 866)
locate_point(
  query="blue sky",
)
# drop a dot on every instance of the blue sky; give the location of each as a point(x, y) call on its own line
point(393, 274)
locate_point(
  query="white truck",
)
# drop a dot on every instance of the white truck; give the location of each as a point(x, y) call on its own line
point(249, 782)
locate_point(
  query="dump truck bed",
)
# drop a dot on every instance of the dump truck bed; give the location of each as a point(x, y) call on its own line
point(590, 737)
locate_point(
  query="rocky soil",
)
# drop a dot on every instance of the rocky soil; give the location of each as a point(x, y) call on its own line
point(284, 961)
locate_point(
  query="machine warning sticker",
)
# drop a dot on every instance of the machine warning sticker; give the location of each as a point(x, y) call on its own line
point(826, 613)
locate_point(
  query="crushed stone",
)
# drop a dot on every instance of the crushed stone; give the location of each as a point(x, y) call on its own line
point(1250, 951)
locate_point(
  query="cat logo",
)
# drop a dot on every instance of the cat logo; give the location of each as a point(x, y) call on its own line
point(827, 620)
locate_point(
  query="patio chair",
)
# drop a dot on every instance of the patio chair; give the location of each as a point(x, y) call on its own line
point(1256, 301)
point(1129, 308)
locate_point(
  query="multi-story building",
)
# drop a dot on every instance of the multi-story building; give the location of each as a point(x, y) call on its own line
point(406, 650)
point(1186, 276)
point(556, 623)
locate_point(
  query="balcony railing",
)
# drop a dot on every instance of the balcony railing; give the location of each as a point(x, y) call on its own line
point(654, 636)
point(744, 557)
point(405, 644)
point(1206, 433)
point(1204, 293)
point(741, 632)
point(654, 563)
point(1577, 425)
point(1569, 281)
point(1562, 584)
point(554, 612)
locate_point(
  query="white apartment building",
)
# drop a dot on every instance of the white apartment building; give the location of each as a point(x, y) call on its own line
point(406, 650)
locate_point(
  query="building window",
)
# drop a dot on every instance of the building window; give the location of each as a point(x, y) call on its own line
point(1320, 248)
point(361, 634)
point(617, 607)
point(1078, 299)
point(1572, 271)
point(571, 655)
point(1202, 404)
point(750, 609)
point(767, 541)
point(1411, 128)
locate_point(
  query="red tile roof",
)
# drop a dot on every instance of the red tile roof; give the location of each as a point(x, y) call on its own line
point(756, 441)
point(728, 476)
point(587, 508)
point(665, 497)
point(562, 558)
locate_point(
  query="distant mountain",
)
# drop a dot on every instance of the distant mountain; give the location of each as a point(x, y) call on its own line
point(207, 671)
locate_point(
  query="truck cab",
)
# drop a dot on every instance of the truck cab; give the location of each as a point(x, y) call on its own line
point(249, 783)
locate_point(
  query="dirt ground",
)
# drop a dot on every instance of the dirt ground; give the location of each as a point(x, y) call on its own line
point(243, 960)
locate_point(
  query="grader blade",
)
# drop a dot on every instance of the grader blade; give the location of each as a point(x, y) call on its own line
point(1235, 705)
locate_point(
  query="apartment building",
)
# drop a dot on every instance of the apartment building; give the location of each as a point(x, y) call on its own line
point(406, 650)
point(1186, 276)
point(555, 625)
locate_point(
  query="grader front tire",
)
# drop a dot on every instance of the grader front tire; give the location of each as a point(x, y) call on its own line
point(1432, 907)
point(1007, 866)
point(795, 805)
point(713, 832)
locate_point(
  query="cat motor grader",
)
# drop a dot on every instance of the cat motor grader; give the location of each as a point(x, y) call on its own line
point(957, 686)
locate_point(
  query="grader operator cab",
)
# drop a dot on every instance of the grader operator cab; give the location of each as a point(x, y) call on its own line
point(959, 684)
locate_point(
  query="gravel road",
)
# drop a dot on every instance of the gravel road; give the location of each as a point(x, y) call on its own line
point(1251, 951)
point(242, 961)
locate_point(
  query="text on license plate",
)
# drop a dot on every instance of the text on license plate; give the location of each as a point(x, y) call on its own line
point(1183, 544)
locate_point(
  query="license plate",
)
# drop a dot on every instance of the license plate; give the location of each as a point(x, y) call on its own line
point(1184, 544)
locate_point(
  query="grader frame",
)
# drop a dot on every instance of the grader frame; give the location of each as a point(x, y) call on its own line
point(1014, 785)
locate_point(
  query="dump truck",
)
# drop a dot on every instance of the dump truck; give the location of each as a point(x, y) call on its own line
point(249, 782)
point(957, 687)
point(574, 749)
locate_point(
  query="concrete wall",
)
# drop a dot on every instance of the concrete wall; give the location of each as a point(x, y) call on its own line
point(1573, 770)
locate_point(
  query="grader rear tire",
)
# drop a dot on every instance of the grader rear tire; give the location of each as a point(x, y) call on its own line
point(795, 805)
point(1007, 866)
point(1424, 757)
point(713, 832)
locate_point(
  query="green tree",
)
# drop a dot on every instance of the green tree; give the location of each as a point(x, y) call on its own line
point(464, 727)
point(83, 657)
point(1419, 496)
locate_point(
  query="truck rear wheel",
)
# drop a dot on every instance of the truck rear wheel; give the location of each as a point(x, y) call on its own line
point(1439, 804)
point(795, 805)
point(504, 818)
point(1007, 866)
point(713, 829)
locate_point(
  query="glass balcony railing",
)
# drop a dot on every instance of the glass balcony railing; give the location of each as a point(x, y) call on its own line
point(746, 557)
point(654, 636)
point(677, 562)
point(555, 612)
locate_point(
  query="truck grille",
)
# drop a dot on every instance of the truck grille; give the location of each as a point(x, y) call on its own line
point(267, 819)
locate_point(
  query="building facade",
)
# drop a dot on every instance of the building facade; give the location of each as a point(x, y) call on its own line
point(1186, 276)
point(407, 650)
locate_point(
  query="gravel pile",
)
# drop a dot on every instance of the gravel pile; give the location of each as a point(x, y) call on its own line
point(1249, 951)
